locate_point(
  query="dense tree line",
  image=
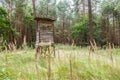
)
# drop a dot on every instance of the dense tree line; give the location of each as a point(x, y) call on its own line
point(77, 21)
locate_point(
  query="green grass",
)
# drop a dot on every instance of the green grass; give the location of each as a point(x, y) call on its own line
point(21, 65)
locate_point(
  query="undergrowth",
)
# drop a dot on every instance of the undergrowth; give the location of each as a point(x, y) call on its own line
point(21, 65)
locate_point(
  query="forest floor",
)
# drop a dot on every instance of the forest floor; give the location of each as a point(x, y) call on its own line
point(70, 63)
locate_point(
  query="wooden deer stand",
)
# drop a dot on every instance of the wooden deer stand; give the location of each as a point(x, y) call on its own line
point(44, 36)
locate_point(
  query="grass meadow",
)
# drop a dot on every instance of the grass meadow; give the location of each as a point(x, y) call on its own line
point(70, 63)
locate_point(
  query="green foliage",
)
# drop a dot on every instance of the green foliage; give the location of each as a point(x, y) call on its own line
point(46, 8)
point(6, 73)
point(116, 51)
point(5, 28)
point(4, 24)
point(118, 6)
point(109, 7)
point(80, 31)
point(111, 18)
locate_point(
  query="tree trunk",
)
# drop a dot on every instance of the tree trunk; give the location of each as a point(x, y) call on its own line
point(10, 9)
point(10, 17)
point(119, 30)
point(113, 37)
point(35, 23)
point(34, 8)
point(90, 20)
point(83, 3)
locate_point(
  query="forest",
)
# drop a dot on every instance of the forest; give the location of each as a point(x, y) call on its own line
point(85, 37)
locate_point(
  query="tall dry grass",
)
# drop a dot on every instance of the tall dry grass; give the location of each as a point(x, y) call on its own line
point(70, 63)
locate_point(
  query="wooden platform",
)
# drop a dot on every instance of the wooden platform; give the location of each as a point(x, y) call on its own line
point(45, 44)
point(44, 48)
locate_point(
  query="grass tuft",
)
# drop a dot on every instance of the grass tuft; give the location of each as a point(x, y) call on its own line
point(21, 65)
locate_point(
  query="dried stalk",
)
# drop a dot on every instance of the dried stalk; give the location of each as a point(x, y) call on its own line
point(59, 56)
point(110, 52)
point(95, 46)
point(37, 70)
point(6, 58)
point(71, 69)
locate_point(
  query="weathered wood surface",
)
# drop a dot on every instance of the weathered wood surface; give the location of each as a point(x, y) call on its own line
point(45, 44)
point(46, 33)
point(44, 20)
point(46, 40)
point(45, 25)
point(46, 36)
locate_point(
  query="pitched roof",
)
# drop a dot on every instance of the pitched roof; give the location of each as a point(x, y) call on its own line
point(44, 20)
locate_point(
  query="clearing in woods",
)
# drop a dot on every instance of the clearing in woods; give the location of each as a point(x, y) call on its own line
point(70, 63)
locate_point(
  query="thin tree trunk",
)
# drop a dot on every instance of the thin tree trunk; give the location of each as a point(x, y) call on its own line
point(90, 20)
point(10, 9)
point(35, 23)
point(10, 17)
point(83, 3)
point(34, 8)
point(119, 30)
point(108, 30)
point(114, 37)
point(47, 10)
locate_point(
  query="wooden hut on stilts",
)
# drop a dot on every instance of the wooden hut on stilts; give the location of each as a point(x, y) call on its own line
point(44, 36)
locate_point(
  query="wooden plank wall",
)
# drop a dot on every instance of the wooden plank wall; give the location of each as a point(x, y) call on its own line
point(45, 33)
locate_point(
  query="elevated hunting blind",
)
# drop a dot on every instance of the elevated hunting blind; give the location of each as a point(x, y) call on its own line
point(44, 35)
